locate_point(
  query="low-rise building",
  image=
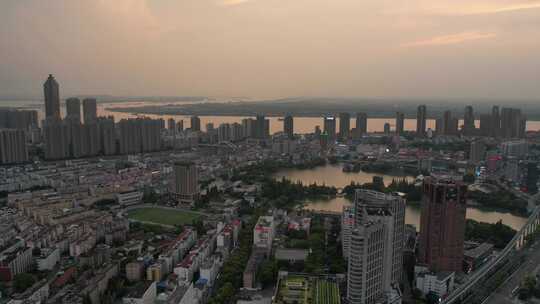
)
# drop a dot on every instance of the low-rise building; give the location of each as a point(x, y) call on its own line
point(440, 284)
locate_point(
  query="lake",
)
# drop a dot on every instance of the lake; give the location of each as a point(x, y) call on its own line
point(332, 175)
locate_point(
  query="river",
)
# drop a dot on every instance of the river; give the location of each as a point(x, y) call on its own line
point(302, 125)
point(332, 175)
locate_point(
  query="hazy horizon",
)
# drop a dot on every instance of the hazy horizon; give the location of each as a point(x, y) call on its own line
point(267, 49)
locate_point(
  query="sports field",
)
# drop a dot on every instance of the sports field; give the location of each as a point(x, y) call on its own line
point(163, 216)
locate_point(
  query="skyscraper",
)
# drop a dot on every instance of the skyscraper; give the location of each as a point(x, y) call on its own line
point(442, 223)
point(329, 127)
point(180, 126)
point(107, 135)
point(185, 185)
point(468, 121)
point(139, 135)
point(421, 121)
point(262, 127)
point(89, 110)
point(195, 123)
point(450, 124)
point(396, 206)
point(386, 128)
point(51, 91)
point(486, 128)
point(288, 126)
point(18, 119)
point(495, 122)
point(57, 139)
point(400, 121)
point(373, 239)
point(361, 124)
point(73, 109)
point(513, 123)
point(13, 146)
point(171, 124)
point(477, 152)
point(344, 125)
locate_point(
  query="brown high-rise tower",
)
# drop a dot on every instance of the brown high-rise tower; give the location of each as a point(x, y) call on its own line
point(442, 223)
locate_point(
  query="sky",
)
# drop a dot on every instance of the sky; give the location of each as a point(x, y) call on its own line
point(273, 48)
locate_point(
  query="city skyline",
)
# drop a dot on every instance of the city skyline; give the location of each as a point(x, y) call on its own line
point(251, 48)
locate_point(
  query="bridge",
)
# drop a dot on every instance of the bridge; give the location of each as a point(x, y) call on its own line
point(479, 286)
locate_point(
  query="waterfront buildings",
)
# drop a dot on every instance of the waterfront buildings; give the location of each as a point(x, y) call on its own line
point(513, 123)
point(442, 223)
point(73, 109)
point(421, 121)
point(344, 126)
point(89, 110)
point(361, 124)
point(468, 121)
point(195, 123)
point(400, 120)
point(51, 91)
point(288, 126)
point(329, 127)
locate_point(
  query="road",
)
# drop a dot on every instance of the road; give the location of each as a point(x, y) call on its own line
point(503, 294)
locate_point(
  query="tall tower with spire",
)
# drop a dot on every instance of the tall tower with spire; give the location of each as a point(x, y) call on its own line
point(51, 92)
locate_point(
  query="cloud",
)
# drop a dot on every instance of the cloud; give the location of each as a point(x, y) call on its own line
point(450, 39)
point(468, 7)
point(233, 2)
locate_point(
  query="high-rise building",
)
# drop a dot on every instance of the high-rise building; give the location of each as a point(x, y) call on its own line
point(449, 124)
point(373, 233)
point(486, 128)
point(171, 124)
point(468, 121)
point(89, 110)
point(386, 128)
point(512, 123)
point(73, 109)
point(76, 138)
point(495, 122)
point(57, 139)
point(361, 124)
point(477, 152)
point(91, 143)
point(186, 182)
point(139, 135)
point(107, 135)
point(347, 226)
point(262, 127)
point(396, 205)
point(344, 125)
point(288, 126)
point(180, 126)
point(236, 131)
point(329, 127)
point(421, 121)
point(442, 223)
point(18, 119)
point(210, 127)
point(13, 146)
point(224, 132)
point(51, 91)
point(400, 121)
point(195, 123)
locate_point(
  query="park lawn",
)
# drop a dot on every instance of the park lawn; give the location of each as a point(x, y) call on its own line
point(162, 216)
